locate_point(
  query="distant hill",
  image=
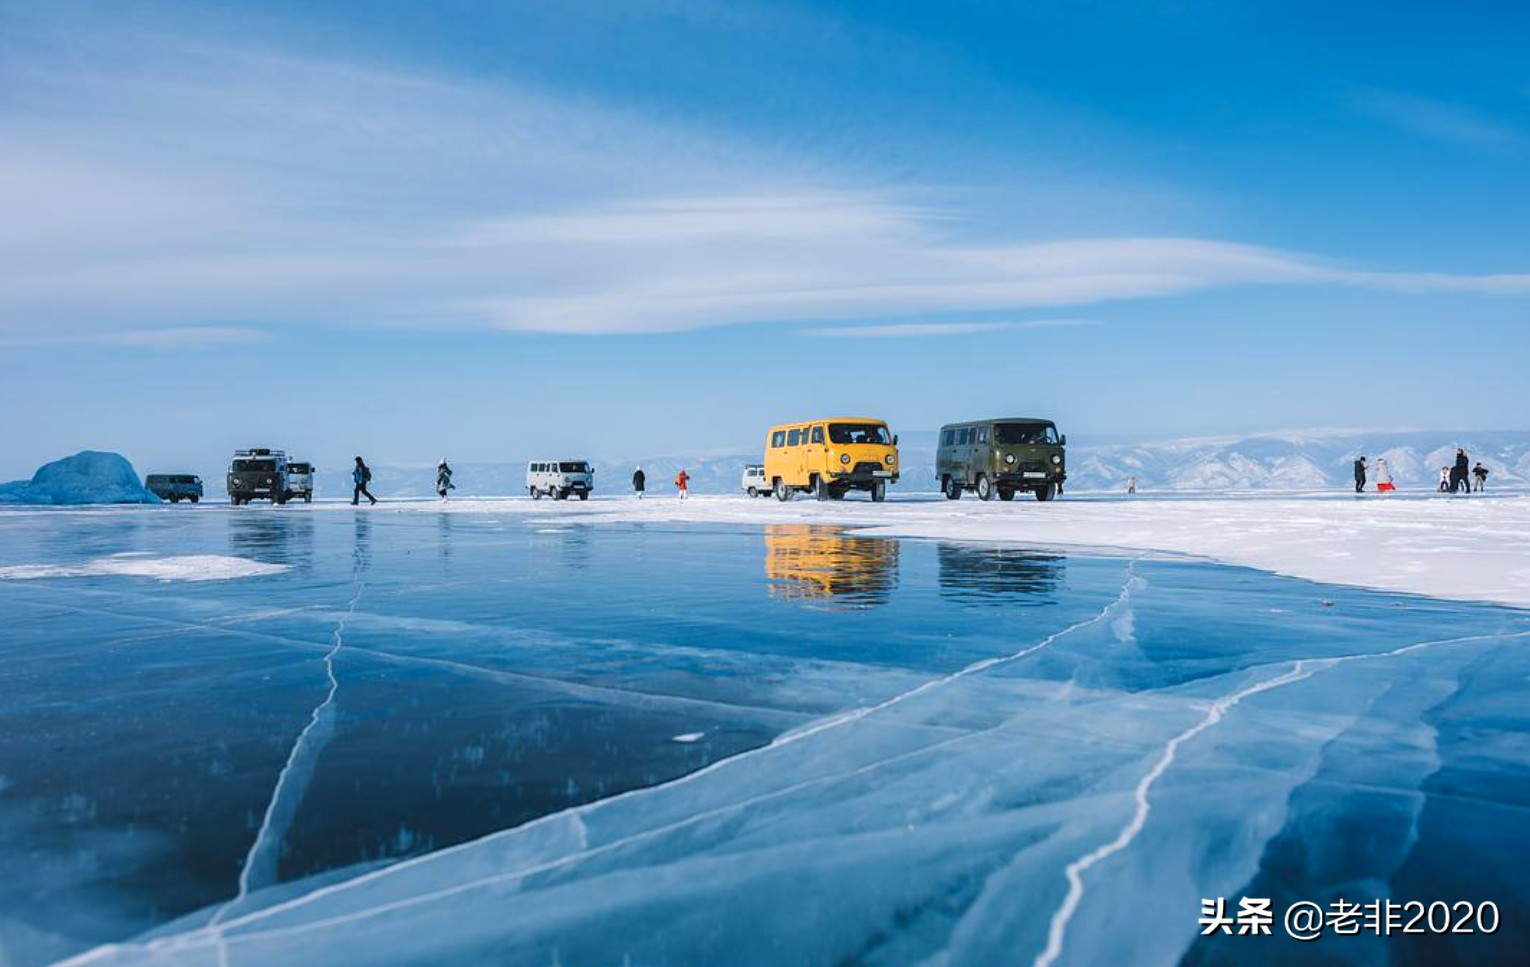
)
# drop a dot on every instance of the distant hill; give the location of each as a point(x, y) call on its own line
point(1312, 460)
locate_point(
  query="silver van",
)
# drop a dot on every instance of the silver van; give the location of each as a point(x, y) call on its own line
point(753, 481)
point(559, 478)
point(300, 480)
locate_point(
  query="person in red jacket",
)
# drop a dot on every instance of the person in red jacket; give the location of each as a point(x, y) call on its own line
point(681, 480)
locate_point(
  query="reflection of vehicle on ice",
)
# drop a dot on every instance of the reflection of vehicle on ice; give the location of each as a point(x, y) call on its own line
point(999, 575)
point(808, 561)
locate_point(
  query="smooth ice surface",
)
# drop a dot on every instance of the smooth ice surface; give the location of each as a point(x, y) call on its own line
point(88, 477)
point(490, 734)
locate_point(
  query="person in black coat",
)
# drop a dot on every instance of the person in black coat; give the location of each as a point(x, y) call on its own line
point(639, 481)
point(1460, 473)
point(361, 476)
point(1360, 475)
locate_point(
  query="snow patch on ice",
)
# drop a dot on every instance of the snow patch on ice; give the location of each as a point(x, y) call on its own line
point(188, 567)
point(689, 737)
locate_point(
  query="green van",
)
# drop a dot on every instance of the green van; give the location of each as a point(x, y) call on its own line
point(1001, 456)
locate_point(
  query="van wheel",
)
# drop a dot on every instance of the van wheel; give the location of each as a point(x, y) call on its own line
point(584, 495)
point(560, 495)
point(1006, 493)
point(753, 492)
point(307, 499)
point(819, 488)
point(194, 498)
point(783, 492)
point(951, 488)
point(984, 487)
point(535, 493)
point(878, 491)
point(1047, 492)
point(278, 499)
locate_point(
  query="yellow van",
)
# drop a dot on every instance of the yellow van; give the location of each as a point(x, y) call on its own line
point(829, 458)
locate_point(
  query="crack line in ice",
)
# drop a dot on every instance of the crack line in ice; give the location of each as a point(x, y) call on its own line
point(292, 782)
point(1300, 669)
point(576, 813)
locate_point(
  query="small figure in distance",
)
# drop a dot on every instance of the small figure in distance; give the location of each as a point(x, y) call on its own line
point(639, 481)
point(682, 480)
point(1131, 485)
point(1384, 483)
point(444, 479)
point(1360, 475)
point(1480, 474)
point(1444, 480)
point(1460, 474)
point(362, 476)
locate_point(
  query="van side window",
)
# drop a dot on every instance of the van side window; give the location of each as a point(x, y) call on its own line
point(794, 438)
point(817, 434)
point(1051, 434)
point(965, 438)
point(949, 438)
point(778, 438)
point(982, 434)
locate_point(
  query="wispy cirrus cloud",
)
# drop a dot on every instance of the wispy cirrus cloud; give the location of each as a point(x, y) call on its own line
point(1439, 120)
point(153, 181)
point(911, 330)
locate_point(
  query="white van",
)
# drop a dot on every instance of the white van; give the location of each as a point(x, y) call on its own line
point(300, 480)
point(753, 482)
point(559, 478)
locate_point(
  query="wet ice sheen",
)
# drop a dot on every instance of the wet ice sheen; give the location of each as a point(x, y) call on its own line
point(682, 745)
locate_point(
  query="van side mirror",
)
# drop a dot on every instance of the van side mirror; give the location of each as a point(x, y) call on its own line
point(1064, 440)
point(895, 439)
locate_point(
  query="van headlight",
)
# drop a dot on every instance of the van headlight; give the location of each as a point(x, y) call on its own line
point(1056, 459)
point(889, 459)
point(1009, 458)
point(844, 458)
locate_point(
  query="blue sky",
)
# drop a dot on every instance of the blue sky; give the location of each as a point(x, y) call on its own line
point(485, 229)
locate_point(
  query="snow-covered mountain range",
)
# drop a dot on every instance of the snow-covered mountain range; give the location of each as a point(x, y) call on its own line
point(1289, 461)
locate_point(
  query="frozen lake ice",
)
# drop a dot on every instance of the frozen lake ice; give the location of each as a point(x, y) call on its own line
point(333, 736)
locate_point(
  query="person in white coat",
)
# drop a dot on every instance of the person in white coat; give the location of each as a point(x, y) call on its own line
point(1384, 483)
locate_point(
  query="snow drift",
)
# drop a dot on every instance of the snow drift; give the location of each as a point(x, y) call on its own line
point(88, 477)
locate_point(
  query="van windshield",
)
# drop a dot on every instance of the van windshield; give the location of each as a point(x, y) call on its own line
point(578, 466)
point(1019, 434)
point(847, 433)
point(254, 466)
point(299, 468)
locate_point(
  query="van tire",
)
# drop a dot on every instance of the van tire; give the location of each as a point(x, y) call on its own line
point(984, 488)
point(560, 495)
point(878, 491)
point(535, 493)
point(951, 488)
point(584, 495)
point(307, 499)
point(193, 498)
point(753, 492)
point(278, 498)
point(1047, 492)
point(1006, 493)
point(819, 488)
point(783, 492)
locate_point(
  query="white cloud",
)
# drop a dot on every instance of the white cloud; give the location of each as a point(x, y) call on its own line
point(903, 330)
point(1438, 120)
point(152, 183)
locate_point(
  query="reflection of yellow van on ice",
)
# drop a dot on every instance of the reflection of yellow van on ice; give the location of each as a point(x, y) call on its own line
point(828, 458)
point(813, 563)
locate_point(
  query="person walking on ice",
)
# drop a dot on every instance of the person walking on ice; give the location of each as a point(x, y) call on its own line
point(1480, 474)
point(444, 479)
point(1460, 473)
point(362, 476)
point(1360, 475)
point(1131, 485)
point(639, 481)
point(682, 480)
point(1384, 483)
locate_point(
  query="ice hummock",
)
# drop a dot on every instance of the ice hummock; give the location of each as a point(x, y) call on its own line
point(87, 477)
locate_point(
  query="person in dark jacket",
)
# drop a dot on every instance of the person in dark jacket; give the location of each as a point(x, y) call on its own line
point(639, 481)
point(1460, 472)
point(1480, 474)
point(1360, 475)
point(361, 476)
point(444, 479)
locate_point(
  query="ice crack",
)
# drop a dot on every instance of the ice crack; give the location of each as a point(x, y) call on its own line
point(1299, 670)
point(260, 863)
